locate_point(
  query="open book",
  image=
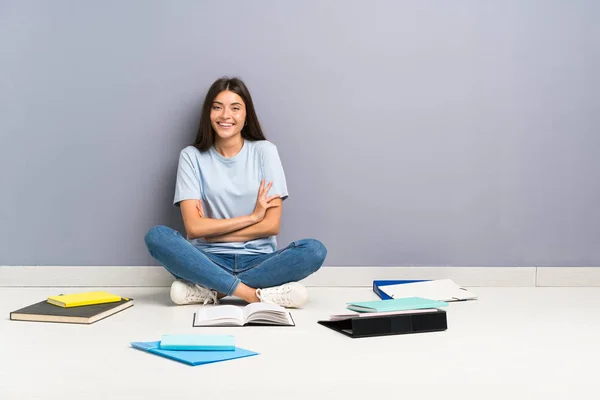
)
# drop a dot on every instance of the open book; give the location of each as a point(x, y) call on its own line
point(252, 314)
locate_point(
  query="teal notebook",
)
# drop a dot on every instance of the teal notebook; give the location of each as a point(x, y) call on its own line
point(193, 357)
point(198, 342)
point(407, 303)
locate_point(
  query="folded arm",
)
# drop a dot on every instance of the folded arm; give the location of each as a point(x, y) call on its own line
point(198, 226)
point(269, 226)
point(265, 216)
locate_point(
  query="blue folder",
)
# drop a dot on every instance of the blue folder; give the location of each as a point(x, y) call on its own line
point(193, 357)
point(203, 342)
point(377, 284)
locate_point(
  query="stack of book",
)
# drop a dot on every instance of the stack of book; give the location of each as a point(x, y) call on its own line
point(195, 349)
point(407, 306)
point(390, 317)
point(75, 308)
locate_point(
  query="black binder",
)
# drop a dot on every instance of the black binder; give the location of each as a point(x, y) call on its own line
point(356, 327)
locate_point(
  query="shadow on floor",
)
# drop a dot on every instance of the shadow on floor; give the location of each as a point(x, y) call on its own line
point(162, 297)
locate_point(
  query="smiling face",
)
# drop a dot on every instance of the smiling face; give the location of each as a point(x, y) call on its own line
point(228, 115)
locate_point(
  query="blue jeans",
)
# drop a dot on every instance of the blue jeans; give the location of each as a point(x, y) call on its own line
point(224, 272)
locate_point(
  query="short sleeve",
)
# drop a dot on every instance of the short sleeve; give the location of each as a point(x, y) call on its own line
point(273, 171)
point(187, 186)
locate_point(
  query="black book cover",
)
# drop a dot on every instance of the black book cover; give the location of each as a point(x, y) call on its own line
point(46, 312)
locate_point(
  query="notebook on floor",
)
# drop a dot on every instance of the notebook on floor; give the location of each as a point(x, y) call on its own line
point(197, 342)
point(46, 312)
point(193, 357)
point(407, 303)
point(83, 299)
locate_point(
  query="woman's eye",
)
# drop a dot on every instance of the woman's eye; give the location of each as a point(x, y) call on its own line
point(216, 107)
point(236, 109)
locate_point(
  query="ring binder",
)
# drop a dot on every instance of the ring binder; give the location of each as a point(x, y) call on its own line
point(382, 325)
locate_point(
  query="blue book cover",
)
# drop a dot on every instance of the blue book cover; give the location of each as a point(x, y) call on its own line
point(193, 357)
point(385, 282)
point(197, 342)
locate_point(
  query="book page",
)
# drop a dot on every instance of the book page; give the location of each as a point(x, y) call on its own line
point(219, 315)
point(267, 313)
point(255, 307)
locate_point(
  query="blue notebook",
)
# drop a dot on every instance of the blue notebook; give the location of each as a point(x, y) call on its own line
point(193, 357)
point(407, 303)
point(197, 342)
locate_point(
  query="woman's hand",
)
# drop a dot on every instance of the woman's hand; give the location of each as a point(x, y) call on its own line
point(263, 203)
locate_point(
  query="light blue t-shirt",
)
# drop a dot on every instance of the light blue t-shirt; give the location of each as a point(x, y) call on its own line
point(228, 188)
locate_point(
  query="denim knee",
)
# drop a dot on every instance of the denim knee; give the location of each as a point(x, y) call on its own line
point(155, 235)
point(317, 250)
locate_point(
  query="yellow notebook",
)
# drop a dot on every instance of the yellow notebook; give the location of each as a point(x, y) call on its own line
point(83, 299)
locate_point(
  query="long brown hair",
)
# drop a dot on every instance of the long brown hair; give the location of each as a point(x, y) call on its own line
point(251, 130)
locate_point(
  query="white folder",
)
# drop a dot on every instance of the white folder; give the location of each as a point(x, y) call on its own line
point(441, 289)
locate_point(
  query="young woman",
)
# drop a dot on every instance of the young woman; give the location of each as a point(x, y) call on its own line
point(230, 189)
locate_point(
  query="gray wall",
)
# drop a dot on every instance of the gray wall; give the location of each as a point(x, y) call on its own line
point(411, 132)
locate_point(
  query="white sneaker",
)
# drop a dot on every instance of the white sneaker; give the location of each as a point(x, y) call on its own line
point(291, 295)
point(183, 292)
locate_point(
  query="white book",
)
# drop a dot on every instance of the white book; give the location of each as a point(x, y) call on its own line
point(252, 314)
point(441, 289)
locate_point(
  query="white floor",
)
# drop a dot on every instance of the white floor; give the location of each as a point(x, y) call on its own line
point(519, 342)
